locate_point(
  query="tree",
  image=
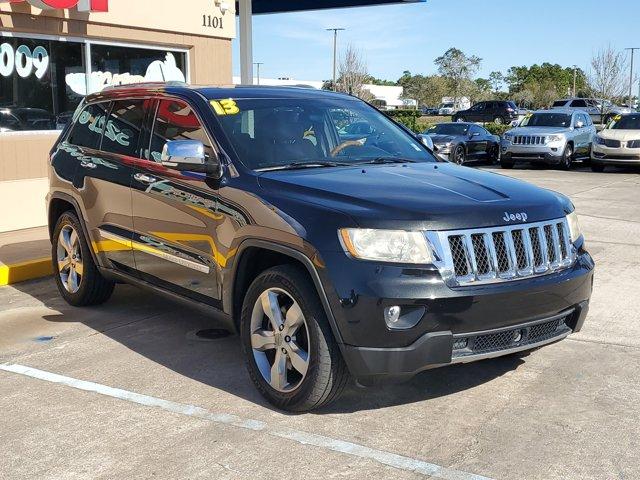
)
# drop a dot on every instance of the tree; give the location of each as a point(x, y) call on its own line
point(457, 68)
point(608, 76)
point(496, 79)
point(353, 74)
point(428, 90)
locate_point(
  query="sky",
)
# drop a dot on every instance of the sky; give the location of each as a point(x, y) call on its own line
point(396, 38)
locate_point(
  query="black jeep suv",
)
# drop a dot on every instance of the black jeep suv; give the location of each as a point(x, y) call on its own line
point(332, 252)
point(500, 112)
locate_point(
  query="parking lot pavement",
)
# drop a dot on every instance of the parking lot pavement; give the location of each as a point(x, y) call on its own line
point(185, 407)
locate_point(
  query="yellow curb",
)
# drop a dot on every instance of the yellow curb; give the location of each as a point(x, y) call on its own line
point(29, 270)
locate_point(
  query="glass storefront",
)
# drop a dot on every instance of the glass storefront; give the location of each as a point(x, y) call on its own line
point(43, 81)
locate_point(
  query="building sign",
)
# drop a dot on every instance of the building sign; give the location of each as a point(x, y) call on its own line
point(23, 60)
point(82, 5)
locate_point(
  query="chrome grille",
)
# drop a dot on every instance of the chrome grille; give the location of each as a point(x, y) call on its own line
point(528, 140)
point(476, 256)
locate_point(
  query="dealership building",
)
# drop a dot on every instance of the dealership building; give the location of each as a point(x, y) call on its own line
point(54, 52)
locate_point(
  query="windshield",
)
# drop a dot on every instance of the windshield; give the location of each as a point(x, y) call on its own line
point(277, 133)
point(626, 122)
point(447, 105)
point(547, 120)
point(448, 129)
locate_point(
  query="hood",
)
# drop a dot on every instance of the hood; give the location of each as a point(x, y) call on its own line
point(430, 196)
point(538, 130)
point(622, 135)
point(440, 139)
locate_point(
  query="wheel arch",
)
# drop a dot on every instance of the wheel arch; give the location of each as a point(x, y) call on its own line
point(254, 256)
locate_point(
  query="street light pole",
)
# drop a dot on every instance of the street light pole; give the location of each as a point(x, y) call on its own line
point(335, 52)
point(257, 64)
point(632, 49)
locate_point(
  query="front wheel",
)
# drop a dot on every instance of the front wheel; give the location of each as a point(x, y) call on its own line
point(459, 119)
point(499, 121)
point(289, 349)
point(458, 155)
point(567, 158)
point(507, 164)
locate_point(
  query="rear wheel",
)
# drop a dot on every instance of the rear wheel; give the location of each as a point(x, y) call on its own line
point(77, 277)
point(289, 349)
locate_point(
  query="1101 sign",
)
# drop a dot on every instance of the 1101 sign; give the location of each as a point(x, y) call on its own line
point(211, 21)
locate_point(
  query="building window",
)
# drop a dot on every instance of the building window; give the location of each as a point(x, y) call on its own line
point(122, 65)
point(33, 92)
point(43, 81)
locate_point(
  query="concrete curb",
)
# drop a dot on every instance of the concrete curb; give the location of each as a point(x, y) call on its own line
point(29, 270)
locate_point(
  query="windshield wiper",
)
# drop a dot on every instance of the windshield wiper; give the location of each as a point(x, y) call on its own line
point(299, 165)
point(383, 160)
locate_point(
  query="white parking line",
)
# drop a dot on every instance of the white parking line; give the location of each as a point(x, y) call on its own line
point(303, 438)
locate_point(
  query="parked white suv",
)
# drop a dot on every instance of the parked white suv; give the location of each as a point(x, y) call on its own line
point(600, 111)
point(618, 143)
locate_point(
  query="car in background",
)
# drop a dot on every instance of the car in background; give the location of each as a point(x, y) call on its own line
point(618, 143)
point(20, 119)
point(429, 111)
point(461, 142)
point(600, 111)
point(500, 112)
point(555, 137)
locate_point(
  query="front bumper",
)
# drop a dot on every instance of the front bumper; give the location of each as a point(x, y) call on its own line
point(615, 156)
point(551, 154)
point(438, 349)
point(371, 348)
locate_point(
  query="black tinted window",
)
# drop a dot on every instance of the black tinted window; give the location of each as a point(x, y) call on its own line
point(579, 103)
point(175, 120)
point(122, 132)
point(87, 130)
point(559, 103)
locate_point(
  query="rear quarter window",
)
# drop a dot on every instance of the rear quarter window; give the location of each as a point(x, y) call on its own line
point(559, 103)
point(87, 130)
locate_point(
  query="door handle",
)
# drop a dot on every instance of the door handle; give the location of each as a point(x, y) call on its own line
point(144, 178)
point(86, 164)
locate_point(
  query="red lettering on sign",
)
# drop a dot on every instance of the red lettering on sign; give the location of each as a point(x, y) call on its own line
point(83, 5)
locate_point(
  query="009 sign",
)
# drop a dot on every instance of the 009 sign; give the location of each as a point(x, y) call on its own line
point(23, 61)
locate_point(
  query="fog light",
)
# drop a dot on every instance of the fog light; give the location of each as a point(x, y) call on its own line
point(517, 336)
point(392, 315)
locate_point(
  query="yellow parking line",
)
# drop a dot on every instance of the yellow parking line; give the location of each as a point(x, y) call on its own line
point(29, 270)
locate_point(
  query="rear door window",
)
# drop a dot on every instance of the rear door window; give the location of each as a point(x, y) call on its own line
point(87, 130)
point(122, 131)
point(559, 103)
point(579, 104)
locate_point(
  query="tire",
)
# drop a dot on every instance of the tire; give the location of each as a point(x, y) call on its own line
point(506, 164)
point(494, 154)
point(77, 277)
point(324, 375)
point(459, 119)
point(499, 120)
point(458, 155)
point(597, 167)
point(567, 157)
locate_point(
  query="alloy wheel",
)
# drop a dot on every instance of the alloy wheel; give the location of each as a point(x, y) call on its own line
point(458, 155)
point(69, 257)
point(498, 121)
point(280, 340)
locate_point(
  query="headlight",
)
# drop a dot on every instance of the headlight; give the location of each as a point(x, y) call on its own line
point(600, 140)
point(574, 227)
point(554, 138)
point(397, 246)
point(508, 137)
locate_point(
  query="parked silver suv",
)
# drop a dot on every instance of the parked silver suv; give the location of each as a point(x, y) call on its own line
point(555, 137)
point(600, 111)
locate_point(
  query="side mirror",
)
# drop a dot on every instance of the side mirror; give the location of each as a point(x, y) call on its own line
point(474, 134)
point(183, 154)
point(426, 141)
point(579, 124)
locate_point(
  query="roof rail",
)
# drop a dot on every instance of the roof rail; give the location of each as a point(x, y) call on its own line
point(172, 83)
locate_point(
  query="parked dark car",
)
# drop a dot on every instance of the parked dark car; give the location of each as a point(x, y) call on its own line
point(331, 258)
point(500, 112)
point(19, 119)
point(461, 142)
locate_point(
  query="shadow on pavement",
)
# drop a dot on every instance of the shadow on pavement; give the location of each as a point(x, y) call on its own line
point(164, 332)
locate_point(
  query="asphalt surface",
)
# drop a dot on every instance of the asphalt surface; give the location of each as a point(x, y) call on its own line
point(127, 390)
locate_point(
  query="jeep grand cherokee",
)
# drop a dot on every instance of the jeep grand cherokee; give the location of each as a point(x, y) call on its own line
point(332, 251)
